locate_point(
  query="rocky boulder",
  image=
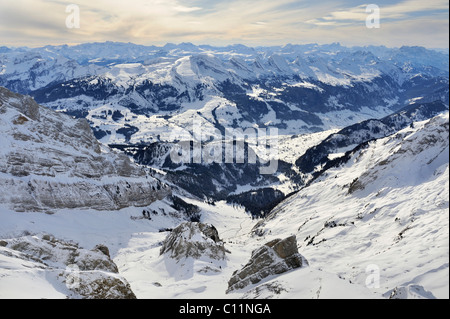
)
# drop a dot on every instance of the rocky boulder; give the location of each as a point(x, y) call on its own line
point(82, 273)
point(274, 258)
point(411, 292)
point(196, 240)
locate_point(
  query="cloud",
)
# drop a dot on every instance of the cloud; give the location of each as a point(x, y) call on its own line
point(221, 22)
point(400, 11)
point(186, 9)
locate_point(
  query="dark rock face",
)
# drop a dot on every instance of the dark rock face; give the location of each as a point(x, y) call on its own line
point(274, 258)
point(195, 240)
point(103, 249)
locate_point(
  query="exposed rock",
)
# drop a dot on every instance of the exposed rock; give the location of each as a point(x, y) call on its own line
point(274, 258)
point(25, 104)
point(87, 274)
point(98, 285)
point(265, 291)
point(194, 240)
point(66, 161)
point(411, 292)
point(103, 249)
point(94, 260)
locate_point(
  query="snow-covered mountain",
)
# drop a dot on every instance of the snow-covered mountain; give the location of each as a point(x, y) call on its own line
point(58, 269)
point(94, 205)
point(49, 160)
point(352, 136)
point(384, 211)
point(137, 93)
point(299, 159)
point(375, 226)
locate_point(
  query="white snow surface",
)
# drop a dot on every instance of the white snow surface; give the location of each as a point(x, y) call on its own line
point(396, 219)
point(394, 223)
point(135, 247)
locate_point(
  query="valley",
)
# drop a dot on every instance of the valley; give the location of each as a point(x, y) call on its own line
point(95, 203)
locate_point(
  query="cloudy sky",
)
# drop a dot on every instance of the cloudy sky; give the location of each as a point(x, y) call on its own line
point(222, 22)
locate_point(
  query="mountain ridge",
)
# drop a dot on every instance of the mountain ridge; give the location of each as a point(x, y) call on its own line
point(50, 161)
point(298, 89)
point(361, 188)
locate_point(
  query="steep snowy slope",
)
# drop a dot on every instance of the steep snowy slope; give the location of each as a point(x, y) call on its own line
point(375, 227)
point(50, 161)
point(238, 183)
point(28, 71)
point(382, 218)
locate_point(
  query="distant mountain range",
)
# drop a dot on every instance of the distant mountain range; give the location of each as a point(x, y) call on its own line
point(133, 93)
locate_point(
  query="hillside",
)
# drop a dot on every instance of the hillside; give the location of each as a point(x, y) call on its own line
point(49, 160)
point(133, 93)
point(387, 207)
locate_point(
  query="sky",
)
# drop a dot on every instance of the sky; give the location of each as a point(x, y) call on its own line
point(35, 23)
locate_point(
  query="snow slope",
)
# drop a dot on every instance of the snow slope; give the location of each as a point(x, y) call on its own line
point(135, 248)
point(374, 227)
point(298, 89)
point(386, 210)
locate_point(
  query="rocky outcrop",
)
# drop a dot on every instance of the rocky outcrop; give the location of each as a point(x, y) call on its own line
point(43, 195)
point(86, 274)
point(98, 285)
point(48, 160)
point(411, 292)
point(274, 258)
point(195, 240)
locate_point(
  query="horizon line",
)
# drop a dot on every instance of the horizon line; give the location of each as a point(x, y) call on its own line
point(159, 45)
